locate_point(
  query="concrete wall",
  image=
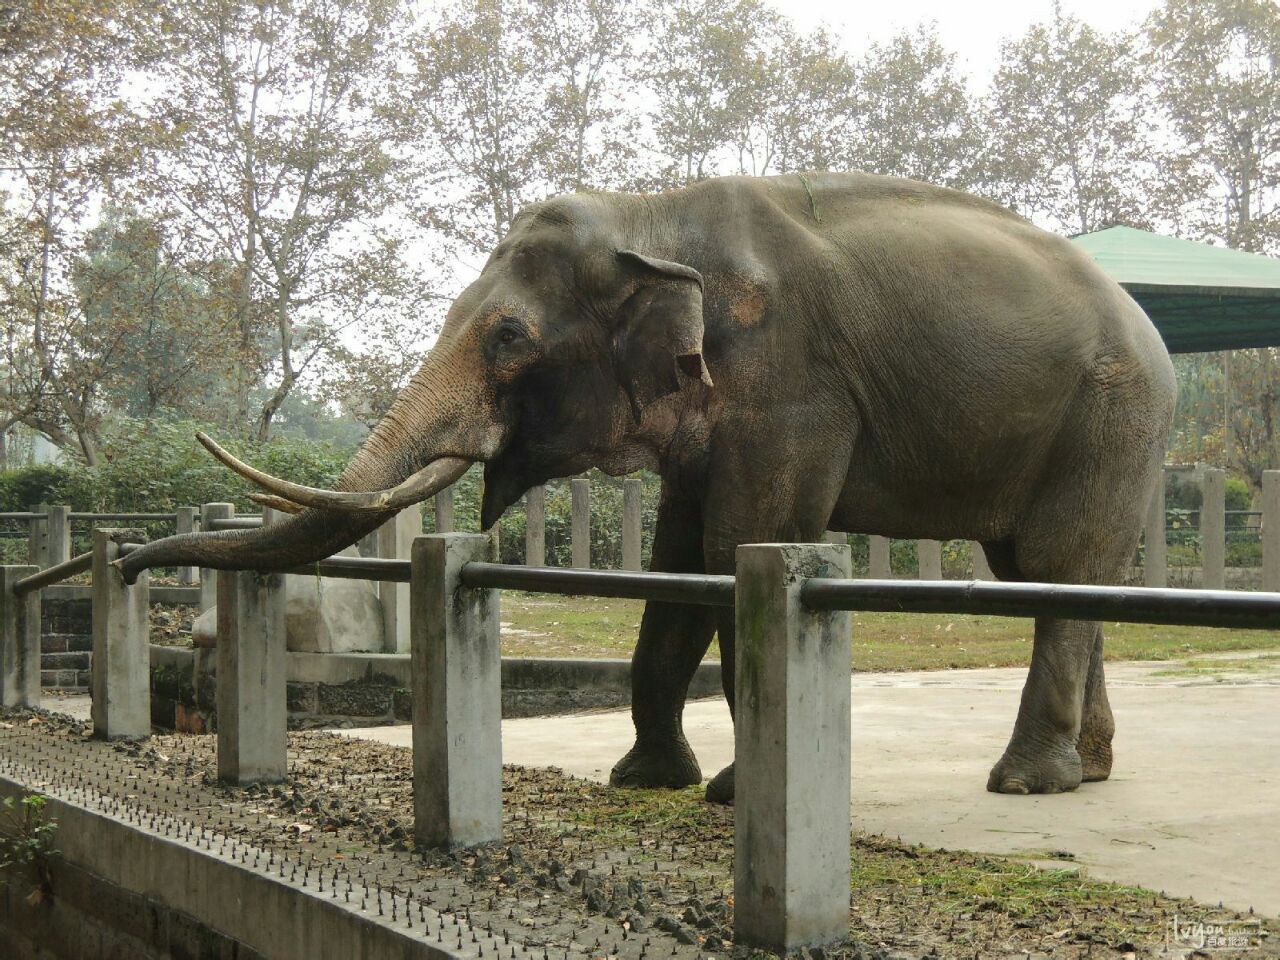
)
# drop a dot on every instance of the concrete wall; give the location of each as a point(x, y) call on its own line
point(372, 689)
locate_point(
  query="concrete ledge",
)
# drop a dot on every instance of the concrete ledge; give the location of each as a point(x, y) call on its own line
point(248, 905)
point(159, 595)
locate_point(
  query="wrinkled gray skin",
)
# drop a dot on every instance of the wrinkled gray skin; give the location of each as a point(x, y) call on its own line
point(881, 356)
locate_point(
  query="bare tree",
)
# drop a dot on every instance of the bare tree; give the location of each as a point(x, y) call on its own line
point(1068, 142)
point(278, 157)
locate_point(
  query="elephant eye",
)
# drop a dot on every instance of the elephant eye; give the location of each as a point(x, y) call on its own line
point(506, 335)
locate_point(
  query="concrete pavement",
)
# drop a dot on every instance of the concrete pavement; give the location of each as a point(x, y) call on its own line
point(1192, 807)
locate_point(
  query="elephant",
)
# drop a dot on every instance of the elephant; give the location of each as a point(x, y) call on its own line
point(790, 354)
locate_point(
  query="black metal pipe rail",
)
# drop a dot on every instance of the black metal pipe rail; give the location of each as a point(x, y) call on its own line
point(700, 588)
point(122, 516)
point(1194, 608)
point(55, 574)
point(357, 568)
point(24, 516)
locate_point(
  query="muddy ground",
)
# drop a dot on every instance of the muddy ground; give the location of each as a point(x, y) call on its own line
point(584, 867)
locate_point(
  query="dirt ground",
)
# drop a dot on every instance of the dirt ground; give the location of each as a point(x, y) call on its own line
point(583, 866)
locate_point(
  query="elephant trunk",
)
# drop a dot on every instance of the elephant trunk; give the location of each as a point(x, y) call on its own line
point(420, 447)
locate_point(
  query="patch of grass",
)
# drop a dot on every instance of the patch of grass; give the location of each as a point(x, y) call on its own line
point(975, 883)
point(1221, 669)
point(541, 626)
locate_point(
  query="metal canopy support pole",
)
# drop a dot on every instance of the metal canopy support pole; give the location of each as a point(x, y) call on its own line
point(791, 813)
point(121, 664)
point(1213, 530)
point(456, 676)
point(1271, 530)
point(19, 641)
point(1155, 563)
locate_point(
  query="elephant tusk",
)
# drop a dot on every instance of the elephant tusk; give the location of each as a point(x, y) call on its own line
point(432, 478)
point(276, 503)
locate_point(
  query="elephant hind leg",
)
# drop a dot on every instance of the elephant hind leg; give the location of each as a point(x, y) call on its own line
point(1097, 725)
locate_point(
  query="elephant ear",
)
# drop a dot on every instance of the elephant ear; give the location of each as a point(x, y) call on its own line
point(658, 338)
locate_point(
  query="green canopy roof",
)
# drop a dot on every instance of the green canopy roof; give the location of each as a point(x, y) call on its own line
point(1200, 298)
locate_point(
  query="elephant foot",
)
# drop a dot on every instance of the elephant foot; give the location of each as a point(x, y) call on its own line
point(670, 764)
point(1039, 769)
point(720, 789)
point(1094, 750)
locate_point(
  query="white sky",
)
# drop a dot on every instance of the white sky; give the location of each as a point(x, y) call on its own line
point(973, 30)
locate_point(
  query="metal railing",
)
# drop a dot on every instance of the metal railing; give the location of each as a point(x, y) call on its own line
point(793, 657)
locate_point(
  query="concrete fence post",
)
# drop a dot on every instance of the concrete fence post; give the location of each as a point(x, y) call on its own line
point(1271, 530)
point(878, 558)
point(981, 569)
point(209, 578)
point(632, 528)
point(791, 753)
point(580, 528)
point(38, 537)
point(535, 527)
point(19, 641)
point(1155, 562)
point(929, 558)
point(252, 718)
point(185, 522)
point(456, 676)
point(443, 502)
point(120, 676)
point(58, 527)
point(395, 542)
point(834, 536)
point(1213, 529)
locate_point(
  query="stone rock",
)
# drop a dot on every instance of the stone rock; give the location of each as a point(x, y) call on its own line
point(322, 615)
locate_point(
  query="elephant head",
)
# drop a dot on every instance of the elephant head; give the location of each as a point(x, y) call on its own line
point(561, 355)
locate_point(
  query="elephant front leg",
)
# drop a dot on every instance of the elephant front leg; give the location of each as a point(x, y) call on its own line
point(673, 640)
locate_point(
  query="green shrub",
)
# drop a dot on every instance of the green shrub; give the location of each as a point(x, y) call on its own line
point(39, 483)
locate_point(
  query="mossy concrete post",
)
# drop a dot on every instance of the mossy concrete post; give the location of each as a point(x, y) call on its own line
point(981, 569)
point(535, 527)
point(632, 527)
point(456, 676)
point(58, 531)
point(1213, 529)
point(929, 557)
point(19, 640)
point(443, 502)
point(252, 716)
point(1155, 545)
point(791, 813)
point(878, 558)
point(120, 675)
point(38, 536)
point(185, 522)
point(1271, 530)
point(580, 526)
point(209, 578)
point(395, 542)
